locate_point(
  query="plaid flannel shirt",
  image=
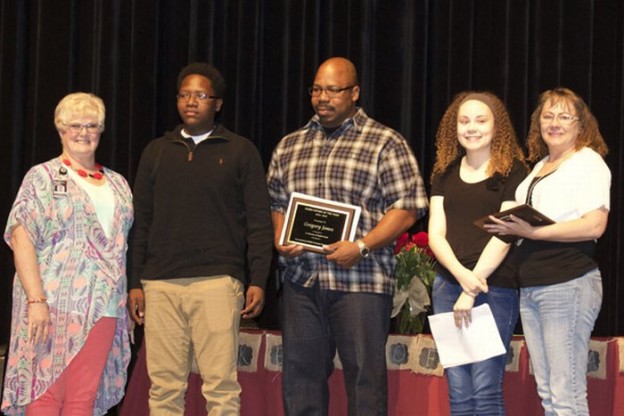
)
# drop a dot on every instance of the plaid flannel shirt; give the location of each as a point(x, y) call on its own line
point(362, 163)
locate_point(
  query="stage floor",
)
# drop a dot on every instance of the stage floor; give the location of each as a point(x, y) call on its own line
point(416, 384)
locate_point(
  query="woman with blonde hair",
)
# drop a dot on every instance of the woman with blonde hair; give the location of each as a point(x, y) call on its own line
point(560, 283)
point(69, 349)
point(478, 166)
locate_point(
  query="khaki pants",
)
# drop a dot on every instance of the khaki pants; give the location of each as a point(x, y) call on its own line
point(186, 317)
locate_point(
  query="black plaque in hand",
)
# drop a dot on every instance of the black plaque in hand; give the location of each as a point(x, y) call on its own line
point(313, 222)
point(524, 212)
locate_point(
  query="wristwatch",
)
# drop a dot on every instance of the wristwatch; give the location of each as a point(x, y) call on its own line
point(364, 251)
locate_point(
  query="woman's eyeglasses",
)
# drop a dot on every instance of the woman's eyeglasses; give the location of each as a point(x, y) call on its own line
point(91, 128)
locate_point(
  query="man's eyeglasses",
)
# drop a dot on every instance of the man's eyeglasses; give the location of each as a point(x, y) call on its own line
point(331, 92)
point(201, 96)
point(563, 118)
point(77, 127)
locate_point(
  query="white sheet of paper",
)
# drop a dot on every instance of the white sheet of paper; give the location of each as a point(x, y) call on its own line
point(458, 346)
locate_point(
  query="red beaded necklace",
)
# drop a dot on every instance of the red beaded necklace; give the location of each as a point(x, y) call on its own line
point(97, 175)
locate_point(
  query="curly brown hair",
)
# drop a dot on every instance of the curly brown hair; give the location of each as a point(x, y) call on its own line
point(504, 147)
point(589, 134)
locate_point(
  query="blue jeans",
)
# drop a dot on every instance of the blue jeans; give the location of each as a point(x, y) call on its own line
point(477, 389)
point(558, 321)
point(315, 323)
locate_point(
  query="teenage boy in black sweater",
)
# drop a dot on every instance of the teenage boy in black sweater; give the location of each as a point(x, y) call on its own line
point(201, 218)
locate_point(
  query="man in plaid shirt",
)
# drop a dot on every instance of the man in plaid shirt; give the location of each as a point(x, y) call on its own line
point(342, 299)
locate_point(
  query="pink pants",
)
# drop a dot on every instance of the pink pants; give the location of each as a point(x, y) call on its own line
point(73, 394)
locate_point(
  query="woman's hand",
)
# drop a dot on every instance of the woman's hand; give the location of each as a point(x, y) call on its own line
point(462, 310)
point(38, 323)
point(514, 226)
point(471, 283)
point(27, 267)
point(589, 227)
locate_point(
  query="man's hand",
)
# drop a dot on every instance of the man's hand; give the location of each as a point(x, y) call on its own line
point(254, 302)
point(136, 305)
point(289, 251)
point(344, 253)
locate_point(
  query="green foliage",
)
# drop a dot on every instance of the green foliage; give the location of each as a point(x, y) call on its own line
point(414, 261)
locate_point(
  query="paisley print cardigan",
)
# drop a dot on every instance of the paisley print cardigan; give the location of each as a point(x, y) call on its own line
point(82, 271)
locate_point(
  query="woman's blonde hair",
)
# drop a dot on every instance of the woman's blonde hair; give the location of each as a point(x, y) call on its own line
point(79, 104)
point(504, 148)
point(588, 136)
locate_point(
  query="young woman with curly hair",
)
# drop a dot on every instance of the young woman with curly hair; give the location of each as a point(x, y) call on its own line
point(478, 167)
point(560, 283)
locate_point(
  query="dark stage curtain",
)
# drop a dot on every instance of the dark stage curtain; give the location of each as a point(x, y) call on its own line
point(412, 56)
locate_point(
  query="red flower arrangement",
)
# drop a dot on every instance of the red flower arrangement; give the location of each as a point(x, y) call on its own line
point(420, 240)
point(411, 298)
